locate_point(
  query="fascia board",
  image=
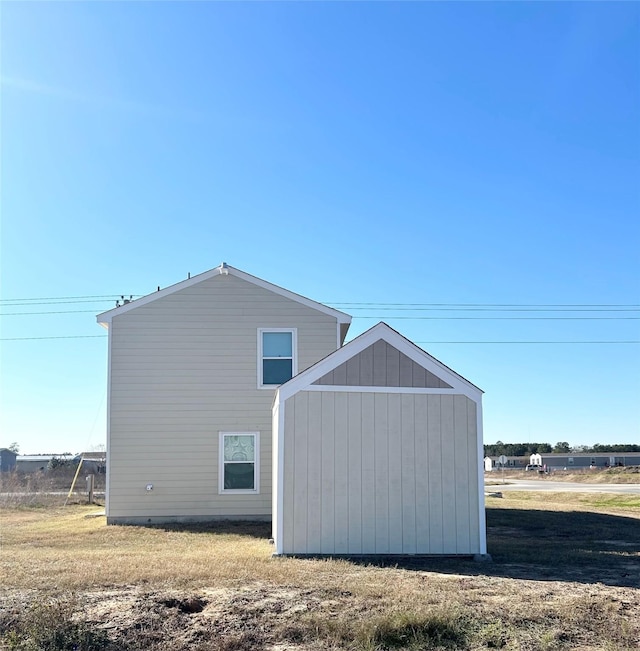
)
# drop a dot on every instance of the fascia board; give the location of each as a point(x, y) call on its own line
point(366, 339)
point(105, 317)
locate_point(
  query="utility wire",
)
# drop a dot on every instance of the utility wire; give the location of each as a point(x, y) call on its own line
point(409, 318)
point(39, 313)
point(492, 304)
point(64, 337)
point(353, 305)
point(417, 342)
point(64, 298)
point(102, 300)
point(632, 341)
point(496, 309)
point(501, 318)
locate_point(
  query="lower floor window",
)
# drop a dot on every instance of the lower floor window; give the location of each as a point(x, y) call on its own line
point(239, 454)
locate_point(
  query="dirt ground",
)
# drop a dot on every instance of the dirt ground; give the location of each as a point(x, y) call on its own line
point(564, 576)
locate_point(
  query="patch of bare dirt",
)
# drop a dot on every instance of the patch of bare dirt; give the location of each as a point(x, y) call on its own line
point(262, 616)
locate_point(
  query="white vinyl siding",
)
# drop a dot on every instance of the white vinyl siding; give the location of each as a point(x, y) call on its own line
point(380, 473)
point(182, 369)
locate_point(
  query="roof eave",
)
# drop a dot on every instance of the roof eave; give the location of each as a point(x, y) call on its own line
point(105, 317)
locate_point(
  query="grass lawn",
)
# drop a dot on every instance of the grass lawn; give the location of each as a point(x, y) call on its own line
point(565, 575)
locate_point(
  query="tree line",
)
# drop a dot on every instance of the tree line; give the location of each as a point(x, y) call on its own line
point(561, 447)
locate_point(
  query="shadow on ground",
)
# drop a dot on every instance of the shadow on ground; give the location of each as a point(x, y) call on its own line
point(261, 530)
point(547, 546)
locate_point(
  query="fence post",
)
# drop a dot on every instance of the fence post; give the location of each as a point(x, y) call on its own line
point(90, 482)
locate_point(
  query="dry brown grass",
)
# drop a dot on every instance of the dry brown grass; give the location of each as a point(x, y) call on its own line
point(565, 576)
point(46, 489)
point(627, 475)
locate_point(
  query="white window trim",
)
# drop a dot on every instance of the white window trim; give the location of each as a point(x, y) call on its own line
point(294, 352)
point(256, 465)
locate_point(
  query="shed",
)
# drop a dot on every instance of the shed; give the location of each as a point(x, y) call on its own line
point(378, 450)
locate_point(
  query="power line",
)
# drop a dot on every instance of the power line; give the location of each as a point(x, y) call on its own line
point(635, 305)
point(64, 337)
point(393, 316)
point(495, 309)
point(501, 318)
point(632, 341)
point(529, 342)
point(39, 313)
point(116, 295)
point(103, 300)
point(64, 298)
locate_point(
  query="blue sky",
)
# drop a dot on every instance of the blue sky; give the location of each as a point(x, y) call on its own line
point(387, 153)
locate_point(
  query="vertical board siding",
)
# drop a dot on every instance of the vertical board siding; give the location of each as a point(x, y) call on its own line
point(289, 458)
point(315, 498)
point(474, 467)
point(183, 368)
point(409, 473)
point(382, 365)
point(298, 481)
point(368, 472)
point(434, 496)
point(357, 463)
point(423, 469)
point(447, 431)
point(461, 473)
point(365, 359)
point(380, 474)
point(328, 462)
point(341, 477)
point(396, 472)
point(381, 470)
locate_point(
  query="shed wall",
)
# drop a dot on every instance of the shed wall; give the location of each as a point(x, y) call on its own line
point(183, 368)
point(380, 473)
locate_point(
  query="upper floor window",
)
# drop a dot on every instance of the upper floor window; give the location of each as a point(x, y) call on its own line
point(277, 361)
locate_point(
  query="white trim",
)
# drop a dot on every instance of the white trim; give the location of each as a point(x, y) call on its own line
point(278, 494)
point(294, 354)
point(482, 520)
point(223, 269)
point(370, 389)
point(256, 465)
point(380, 331)
point(107, 487)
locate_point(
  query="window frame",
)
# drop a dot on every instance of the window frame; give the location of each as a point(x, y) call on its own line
point(256, 465)
point(294, 354)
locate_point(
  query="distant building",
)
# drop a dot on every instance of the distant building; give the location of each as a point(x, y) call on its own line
point(7, 460)
point(556, 461)
point(37, 462)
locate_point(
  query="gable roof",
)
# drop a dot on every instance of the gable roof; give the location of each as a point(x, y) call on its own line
point(105, 317)
point(384, 332)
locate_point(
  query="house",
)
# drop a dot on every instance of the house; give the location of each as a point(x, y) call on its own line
point(378, 450)
point(377, 446)
point(7, 460)
point(192, 372)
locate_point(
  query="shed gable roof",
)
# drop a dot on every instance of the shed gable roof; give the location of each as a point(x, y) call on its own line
point(349, 366)
point(105, 318)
